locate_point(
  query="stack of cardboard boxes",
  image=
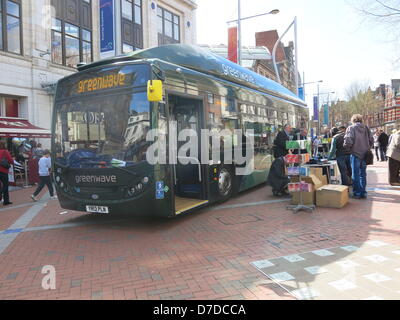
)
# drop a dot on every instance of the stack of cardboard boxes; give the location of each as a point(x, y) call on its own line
point(322, 194)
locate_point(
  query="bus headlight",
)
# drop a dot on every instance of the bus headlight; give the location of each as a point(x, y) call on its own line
point(62, 184)
point(145, 180)
point(139, 187)
point(58, 179)
point(131, 192)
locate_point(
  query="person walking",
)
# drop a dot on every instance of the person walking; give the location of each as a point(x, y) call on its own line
point(393, 154)
point(376, 144)
point(44, 175)
point(358, 140)
point(280, 142)
point(342, 156)
point(5, 163)
point(383, 143)
point(33, 167)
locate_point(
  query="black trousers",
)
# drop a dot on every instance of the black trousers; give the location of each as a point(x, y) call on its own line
point(383, 153)
point(4, 189)
point(377, 150)
point(394, 171)
point(42, 182)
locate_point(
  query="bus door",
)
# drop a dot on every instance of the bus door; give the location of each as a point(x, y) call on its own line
point(188, 173)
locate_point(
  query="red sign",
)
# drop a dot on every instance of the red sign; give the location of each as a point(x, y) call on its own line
point(233, 44)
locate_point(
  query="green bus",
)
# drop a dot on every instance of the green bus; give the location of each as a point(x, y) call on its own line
point(104, 113)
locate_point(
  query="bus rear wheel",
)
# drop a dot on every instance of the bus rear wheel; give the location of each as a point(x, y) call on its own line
point(226, 183)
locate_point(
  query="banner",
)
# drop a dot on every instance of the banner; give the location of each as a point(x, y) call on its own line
point(316, 109)
point(233, 44)
point(107, 35)
point(326, 114)
point(301, 93)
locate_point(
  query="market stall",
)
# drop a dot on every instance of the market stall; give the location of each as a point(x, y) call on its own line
point(315, 181)
point(17, 129)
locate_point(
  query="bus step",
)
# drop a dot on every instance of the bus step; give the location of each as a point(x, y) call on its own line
point(185, 204)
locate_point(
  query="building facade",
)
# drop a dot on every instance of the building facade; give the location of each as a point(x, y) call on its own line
point(285, 59)
point(392, 106)
point(42, 41)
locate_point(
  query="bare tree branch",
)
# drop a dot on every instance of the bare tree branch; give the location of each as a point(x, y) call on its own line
point(386, 6)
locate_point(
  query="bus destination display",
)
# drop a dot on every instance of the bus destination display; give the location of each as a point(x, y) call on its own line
point(100, 83)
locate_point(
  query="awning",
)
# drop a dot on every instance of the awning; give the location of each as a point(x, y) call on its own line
point(21, 128)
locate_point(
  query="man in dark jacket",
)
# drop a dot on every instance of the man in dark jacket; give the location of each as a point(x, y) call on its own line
point(383, 144)
point(277, 177)
point(342, 156)
point(358, 140)
point(280, 142)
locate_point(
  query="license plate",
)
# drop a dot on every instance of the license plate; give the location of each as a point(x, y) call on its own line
point(97, 209)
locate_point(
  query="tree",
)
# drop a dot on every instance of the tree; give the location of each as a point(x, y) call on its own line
point(360, 98)
point(384, 14)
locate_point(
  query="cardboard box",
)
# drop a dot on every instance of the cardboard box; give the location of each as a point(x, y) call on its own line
point(332, 196)
point(318, 172)
point(309, 198)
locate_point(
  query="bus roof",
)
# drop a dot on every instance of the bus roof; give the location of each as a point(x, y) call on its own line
point(204, 61)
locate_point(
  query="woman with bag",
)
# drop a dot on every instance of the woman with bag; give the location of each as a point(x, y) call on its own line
point(5, 163)
point(393, 153)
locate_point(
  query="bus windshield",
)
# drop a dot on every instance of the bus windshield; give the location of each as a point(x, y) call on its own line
point(102, 131)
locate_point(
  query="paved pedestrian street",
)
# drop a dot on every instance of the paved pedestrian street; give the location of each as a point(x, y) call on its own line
point(250, 247)
point(370, 272)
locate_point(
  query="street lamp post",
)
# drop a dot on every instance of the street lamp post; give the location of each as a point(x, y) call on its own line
point(319, 94)
point(239, 35)
point(304, 91)
point(294, 23)
point(304, 84)
point(275, 11)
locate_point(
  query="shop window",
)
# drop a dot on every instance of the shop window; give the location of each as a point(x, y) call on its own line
point(10, 26)
point(71, 32)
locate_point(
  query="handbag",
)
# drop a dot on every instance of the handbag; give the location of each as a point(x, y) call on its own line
point(369, 158)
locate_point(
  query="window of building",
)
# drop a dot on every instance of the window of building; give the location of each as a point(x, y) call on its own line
point(10, 26)
point(71, 32)
point(9, 107)
point(132, 29)
point(168, 26)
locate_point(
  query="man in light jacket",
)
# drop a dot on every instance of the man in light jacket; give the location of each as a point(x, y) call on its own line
point(358, 140)
point(393, 153)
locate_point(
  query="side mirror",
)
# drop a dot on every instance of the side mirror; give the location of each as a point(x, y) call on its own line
point(155, 90)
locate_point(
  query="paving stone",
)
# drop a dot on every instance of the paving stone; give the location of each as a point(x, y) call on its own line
point(12, 276)
point(76, 283)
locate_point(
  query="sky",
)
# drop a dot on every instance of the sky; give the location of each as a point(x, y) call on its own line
point(335, 44)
